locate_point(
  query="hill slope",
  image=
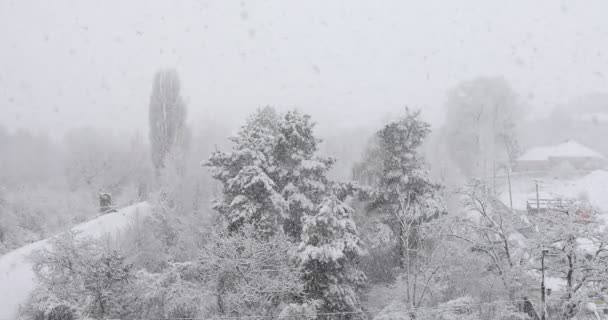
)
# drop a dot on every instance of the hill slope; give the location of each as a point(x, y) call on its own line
point(16, 275)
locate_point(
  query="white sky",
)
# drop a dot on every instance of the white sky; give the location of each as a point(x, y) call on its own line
point(72, 63)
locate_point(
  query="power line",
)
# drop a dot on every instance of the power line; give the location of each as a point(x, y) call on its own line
point(362, 312)
point(367, 312)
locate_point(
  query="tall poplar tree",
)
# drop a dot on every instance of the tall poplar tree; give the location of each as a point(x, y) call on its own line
point(167, 116)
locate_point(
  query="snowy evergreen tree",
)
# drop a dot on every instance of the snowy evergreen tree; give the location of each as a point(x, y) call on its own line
point(330, 245)
point(250, 195)
point(274, 182)
point(302, 177)
point(272, 177)
point(404, 199)
point(403, 195)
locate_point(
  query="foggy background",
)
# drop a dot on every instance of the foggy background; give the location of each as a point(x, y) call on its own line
point(397, 151)
point(90, 63)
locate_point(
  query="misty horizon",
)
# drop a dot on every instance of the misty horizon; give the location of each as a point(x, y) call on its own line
point(316, 160)
point(70, 64)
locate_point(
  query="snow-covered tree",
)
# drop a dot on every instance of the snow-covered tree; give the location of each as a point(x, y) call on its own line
point(272, 177)
point(403, 198)
point(250, 276)
point(576, 247)
point(303, 175)
point(250, 195)
point(167, 116)
point(489, 230)
point(404, 193)
point(461, 308)
point(181, 211)
point(328, 251)
point(178, 291)
point(273, 181)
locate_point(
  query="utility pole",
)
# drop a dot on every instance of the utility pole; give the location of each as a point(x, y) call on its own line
point(493, 176)
point(509, 181)
point(537, 198)
point(542, 284)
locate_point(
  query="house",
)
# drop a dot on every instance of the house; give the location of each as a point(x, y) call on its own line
point(596, 118)
point(570, 153)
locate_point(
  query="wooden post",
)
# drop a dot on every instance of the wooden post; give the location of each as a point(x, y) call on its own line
point(542, 285)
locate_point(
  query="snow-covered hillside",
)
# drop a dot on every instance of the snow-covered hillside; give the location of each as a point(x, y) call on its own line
point(16, 275)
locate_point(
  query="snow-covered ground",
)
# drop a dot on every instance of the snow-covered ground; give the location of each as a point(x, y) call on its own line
point(16, 275)
point(592, 187)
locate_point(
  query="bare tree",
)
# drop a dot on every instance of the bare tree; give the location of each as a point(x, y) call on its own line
point(480, 130)
point(577, 252)
point(489, 228)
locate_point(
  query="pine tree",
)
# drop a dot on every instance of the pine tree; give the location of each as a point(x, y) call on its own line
point(330, 244)
point(250, 195)
point(303, 178)
point(272, 177)
point(403, 198)
point(273, 181)
point(403, 192)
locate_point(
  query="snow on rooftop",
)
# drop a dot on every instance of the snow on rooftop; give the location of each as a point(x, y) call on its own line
point(568, 149)
point(16, 275)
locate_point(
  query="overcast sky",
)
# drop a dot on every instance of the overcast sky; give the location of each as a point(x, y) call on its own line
point(74, 63)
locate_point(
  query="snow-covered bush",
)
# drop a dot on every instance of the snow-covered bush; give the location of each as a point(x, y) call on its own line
point(295, 311)
point(462, 308)
point(176, 292)
point(182, 212)
point(144, 242)
point(250, 275)
point(61, 312)
point(83, 274)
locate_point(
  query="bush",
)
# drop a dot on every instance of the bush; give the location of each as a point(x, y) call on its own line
point(83, 273)
point(60, 312)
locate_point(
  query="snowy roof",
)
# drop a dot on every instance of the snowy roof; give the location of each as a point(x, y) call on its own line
point(568, 149)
